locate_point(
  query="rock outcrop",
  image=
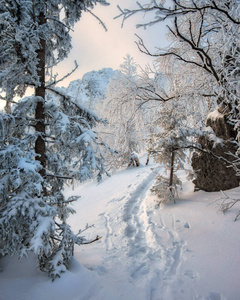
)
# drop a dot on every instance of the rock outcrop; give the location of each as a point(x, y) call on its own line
point(214, 174)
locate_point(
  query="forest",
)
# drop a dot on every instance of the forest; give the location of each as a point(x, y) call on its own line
point(133, 140)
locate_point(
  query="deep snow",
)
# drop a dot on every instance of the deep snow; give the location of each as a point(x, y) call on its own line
point(188, 250)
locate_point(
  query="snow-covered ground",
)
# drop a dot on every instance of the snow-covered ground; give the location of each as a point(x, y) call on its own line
point(183, 251)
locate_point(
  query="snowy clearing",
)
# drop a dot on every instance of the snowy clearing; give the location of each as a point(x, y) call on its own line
point(181, 251)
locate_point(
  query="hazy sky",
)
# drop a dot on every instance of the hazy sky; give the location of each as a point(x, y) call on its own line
point(94, 48)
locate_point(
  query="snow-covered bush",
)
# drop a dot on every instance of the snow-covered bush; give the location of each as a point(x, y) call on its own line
point(163, 191)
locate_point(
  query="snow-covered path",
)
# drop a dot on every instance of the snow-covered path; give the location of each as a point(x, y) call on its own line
point(142, 244)
point(136, 238)
point(182, 251)
point(150, 251)
point(143, 247)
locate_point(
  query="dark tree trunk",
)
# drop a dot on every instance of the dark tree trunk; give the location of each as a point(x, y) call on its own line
point(40, 146)
point(8, 108)
point(148, 157)
point(171, 172)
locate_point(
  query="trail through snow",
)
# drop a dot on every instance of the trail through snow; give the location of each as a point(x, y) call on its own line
point(182, 251)
point(143, 245)
point(150, 252)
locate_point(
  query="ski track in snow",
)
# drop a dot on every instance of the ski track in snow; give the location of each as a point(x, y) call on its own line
point(148, 248)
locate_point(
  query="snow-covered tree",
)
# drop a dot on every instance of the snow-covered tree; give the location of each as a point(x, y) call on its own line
point(45, 141)
point(168, 148)
point(205, 42)
point(172, 129)
point(124, 132)
point(91, 89)
point(205, 34)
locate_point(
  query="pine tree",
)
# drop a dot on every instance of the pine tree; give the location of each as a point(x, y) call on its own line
point(45, 141)
point(169, 144)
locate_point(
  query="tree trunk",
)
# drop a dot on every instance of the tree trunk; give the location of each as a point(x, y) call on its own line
point(40, 146)
point(8, 108)
point(171, 172)
point(148, 157)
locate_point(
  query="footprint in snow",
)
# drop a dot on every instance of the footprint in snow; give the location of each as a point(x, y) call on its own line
point(130, 231)
point(214, 296)
point(140, 270)
point(190, 274)
point(187, 225)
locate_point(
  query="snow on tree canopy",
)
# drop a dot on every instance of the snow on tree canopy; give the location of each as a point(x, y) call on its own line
point(37, 152)
point(91, 88)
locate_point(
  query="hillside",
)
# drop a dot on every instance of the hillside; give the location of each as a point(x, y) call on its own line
point(183, 251)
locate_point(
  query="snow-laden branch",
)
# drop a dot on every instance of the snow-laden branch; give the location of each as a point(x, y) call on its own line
point(64, 77)
point(178, 9)
point(142, 48)
point(87, 111)
point(227, 203)
point(99, 20)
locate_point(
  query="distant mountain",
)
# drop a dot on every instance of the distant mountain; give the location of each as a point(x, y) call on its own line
point(91, 88)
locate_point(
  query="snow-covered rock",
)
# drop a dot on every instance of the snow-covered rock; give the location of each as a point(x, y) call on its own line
point(213, 174)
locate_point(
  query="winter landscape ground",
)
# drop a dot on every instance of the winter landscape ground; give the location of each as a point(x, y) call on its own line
point(188, 250)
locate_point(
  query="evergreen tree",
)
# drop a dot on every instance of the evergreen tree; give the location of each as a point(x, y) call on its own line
point(168, 148)
point(44, 141)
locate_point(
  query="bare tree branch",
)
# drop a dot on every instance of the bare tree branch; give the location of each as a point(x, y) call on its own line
point(100, 21)
point(206, 59)
point(142, 47)
point(64, 77)
point(92, 241)
point(167, 13)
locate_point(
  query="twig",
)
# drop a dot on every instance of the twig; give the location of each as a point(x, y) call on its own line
point(100, 21)
point(64, 77)
point(90, 242)
point(227, 204)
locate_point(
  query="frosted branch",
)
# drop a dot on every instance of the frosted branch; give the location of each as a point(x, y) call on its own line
point(64, 77)
point(60, 22)
point(167, 13)
point(100, 21)
point(227, 203)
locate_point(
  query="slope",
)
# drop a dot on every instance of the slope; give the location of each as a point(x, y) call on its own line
point(186, 250)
